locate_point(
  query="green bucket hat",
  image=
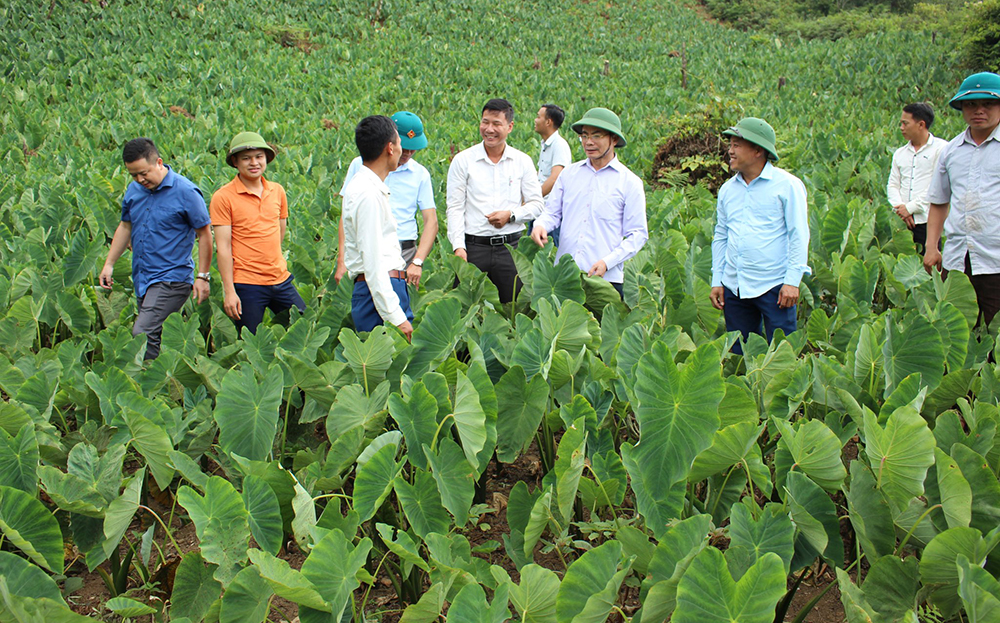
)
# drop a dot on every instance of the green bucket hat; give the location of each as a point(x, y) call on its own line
point(247, 140)
point(982, 86)
point(604, 119)
point(758, 132)
point(411, 130)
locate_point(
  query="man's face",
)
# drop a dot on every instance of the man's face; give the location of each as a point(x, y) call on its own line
point(405, 156)
point(541, 120)
point(147, 173)
point(397, 152)
point(744, 155)
point(981, 114)
point(596, 142)
point(494, 128)
point(251, 163)
point(910, 127)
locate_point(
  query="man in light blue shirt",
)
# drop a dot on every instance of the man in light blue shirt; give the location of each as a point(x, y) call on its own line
point(410, 191)
point(599, 204)
point(761, 236)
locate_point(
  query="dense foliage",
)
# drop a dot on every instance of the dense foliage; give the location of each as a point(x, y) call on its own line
point(709, 483)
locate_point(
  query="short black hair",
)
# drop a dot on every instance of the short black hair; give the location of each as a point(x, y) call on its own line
point(500, 105)
point(921, 111)
point(138, 149)
point(372, 135)
point(554, 114)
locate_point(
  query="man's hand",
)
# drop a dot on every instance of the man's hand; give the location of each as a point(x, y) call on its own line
point(106, 278)
point(598, 269)
point(200, 290)
point(932, 259)
point(717, 297)
point(462, 254)
point(413, 273)
point(499, 218)
point(788, 296)
point(232, 305)
point(539, 235)
point(904, 214)
point(910, 223)
point(340, 272)
point(406, 328)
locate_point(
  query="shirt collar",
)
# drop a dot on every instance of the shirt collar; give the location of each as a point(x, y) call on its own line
point(930, 141)
point(242, 188)
point(551, 139)
point(369, 176)
point(403, 167)
point(967, 136)
point(482, 155)
point(766, 173)
point(614, 164)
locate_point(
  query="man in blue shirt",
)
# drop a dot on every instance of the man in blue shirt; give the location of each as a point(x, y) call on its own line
point(761, 236)
point(161, 213)
point(410, 191)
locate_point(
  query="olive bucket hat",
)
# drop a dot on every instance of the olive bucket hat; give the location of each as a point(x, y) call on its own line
point(982, 86)
point(758, 132)
point(411, 130)
point(605, 120)
point(248, 140)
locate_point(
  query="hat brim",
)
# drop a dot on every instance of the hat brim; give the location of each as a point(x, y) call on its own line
point(972, 94)
point(757, 140)
point(269, 153)
point(416, 143)
point(599, 123)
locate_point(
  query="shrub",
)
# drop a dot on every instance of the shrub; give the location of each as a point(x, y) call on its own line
point(981, 43)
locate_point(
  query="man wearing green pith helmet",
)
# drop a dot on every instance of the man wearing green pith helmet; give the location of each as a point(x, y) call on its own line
point(410, 192)
point(965, 195)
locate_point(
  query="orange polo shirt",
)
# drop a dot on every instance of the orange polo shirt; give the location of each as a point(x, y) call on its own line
point(255, 220)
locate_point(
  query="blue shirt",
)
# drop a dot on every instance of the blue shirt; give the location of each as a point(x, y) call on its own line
point(410, 190)
point(163, 223)
point(602, 215)
point(762, 233)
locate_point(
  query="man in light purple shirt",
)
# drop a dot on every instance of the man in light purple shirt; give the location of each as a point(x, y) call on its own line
point(599, 204)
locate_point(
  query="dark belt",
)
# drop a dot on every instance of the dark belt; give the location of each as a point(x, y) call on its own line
point(393, 274)
point(493, 241)
point(407, 244)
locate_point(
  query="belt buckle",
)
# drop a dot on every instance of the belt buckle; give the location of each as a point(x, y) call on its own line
point(496, 241)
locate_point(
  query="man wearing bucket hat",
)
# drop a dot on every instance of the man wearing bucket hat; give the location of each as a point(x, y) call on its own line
point(761, 236)
point(410, 192)
point(965, 195)
point(598, 202)
point(249, 215)
point(162, 212)
point(492, 190)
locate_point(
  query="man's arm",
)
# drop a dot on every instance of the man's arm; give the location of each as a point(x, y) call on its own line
point(119, 242)
point(720, 241)
point(369, 231)
point(201, 287)
point(551, 216)
point(936, 217)
point(455, 200)
point(797, 225)
point(283, 227)
point(341, 266)
point(550, 181)
point(231, 303)
point(893, 193)
point(427, 236)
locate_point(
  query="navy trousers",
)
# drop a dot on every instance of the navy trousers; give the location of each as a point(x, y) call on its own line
point(363, 310)
point(255, 299)
point(746, 315)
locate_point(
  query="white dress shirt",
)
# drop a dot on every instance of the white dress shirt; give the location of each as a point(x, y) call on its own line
point(555, 153)
point(602, 214)
point(910, 176)
point(968, 177)
point(411, 191)
point(477, 186)
point(370, 243)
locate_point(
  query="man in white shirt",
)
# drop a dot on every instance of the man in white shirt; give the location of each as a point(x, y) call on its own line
point(493, 190)
point(600, 204)
point(411, 192)
point(912, 167)
point(554, 156)
point(372, 254)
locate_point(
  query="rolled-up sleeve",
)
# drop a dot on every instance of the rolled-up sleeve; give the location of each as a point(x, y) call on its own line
point(370, 226)
point(635, 231)
point(458, 174)
point(940, 188)
point(797, 223)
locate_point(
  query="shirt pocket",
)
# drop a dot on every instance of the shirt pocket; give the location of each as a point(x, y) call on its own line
point(513, 190)
point(769, 211)
point(608, 209)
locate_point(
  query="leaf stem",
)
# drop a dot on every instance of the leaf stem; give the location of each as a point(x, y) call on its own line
point(438, 431)
point(170, 535)
point(914, 527)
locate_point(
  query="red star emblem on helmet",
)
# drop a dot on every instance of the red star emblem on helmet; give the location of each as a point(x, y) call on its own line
point(411, 134)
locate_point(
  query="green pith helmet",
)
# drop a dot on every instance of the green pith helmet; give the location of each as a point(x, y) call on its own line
point(605, 120)
point(411, 130)
point(248, 140)
point(758, 132)
point(982, 86)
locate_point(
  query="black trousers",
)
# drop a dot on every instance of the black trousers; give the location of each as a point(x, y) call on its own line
point(497, 263)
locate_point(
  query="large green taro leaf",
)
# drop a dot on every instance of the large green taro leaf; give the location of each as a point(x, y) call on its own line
point(374, 480)
point(247, 412)
point(870, 514)
point(561, 280)
point(19, 459)
point(708, 594)
point(979, 591)
point(815, 518)
point(435, 337)
point(370, 359)
point(812, 448)
point(247, 598)
point(938, 563)
point(332, 567)
point(535, 597)
point(670, 560)
point(422, 504)
point(521, 405)
point(899, 454)
point(918, 348)
point(195, 590)
point(455, 477)
point(263, 513)
point(771, 532)
point(415, 416)
point(590, 587)
point(30, 527)
point(220, 521)
point(470, 419)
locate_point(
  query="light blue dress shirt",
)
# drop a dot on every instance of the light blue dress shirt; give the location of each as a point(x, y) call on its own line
point(762, 233)
point(602, 215)
point(410, 190)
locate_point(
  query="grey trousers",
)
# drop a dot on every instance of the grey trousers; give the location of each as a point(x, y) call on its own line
point(161, 299)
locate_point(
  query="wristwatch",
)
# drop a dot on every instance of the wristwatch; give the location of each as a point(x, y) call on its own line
point(205, 276)
point(418, 262)
point(512, 219)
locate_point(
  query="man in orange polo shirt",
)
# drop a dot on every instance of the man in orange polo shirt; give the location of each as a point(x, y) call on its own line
point(249, 216)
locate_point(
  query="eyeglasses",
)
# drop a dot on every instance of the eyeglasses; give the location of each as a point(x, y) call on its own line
point(596, 136)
